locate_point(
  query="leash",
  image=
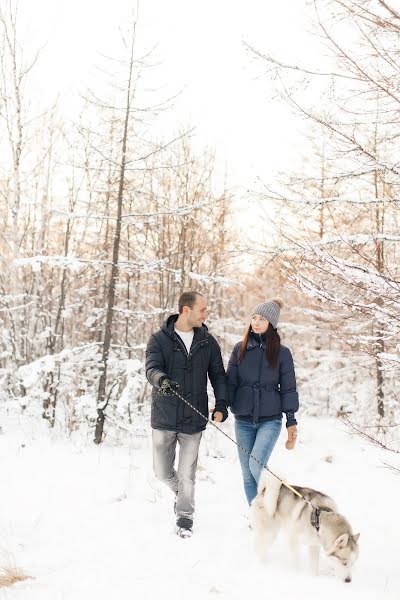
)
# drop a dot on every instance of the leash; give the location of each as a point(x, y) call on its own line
point(315, 515)
point(264, 466)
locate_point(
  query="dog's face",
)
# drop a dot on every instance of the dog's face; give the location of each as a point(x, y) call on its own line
point(343, 555)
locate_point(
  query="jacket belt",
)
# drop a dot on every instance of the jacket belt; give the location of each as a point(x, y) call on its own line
point(259, 387)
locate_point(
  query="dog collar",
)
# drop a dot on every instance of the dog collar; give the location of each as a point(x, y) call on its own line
point(315, 515)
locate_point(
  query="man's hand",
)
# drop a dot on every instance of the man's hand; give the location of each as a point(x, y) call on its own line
point(291, 437)
point(167, 387)
point(217, 416)
point(219, 413)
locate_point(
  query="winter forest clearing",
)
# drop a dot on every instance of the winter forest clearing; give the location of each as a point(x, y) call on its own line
point(137, 163)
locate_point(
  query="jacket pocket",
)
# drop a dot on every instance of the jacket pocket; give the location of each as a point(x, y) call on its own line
point(200, 402)
point(164, 412)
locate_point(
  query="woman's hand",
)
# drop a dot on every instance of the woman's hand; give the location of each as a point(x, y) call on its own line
point(291, 437)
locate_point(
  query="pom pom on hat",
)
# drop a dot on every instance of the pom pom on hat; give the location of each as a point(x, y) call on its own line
point(278, 301)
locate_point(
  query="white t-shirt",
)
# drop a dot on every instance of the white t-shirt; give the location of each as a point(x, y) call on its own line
point(186, 337)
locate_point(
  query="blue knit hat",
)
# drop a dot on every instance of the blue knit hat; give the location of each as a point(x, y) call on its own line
point(270, 310)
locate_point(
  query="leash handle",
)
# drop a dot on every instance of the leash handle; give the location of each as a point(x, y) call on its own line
point(285, 483)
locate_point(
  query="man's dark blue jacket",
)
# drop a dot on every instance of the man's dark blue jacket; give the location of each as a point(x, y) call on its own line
point(167, 356)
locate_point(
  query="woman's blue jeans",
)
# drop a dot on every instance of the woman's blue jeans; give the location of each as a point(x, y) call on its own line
point(258, 439)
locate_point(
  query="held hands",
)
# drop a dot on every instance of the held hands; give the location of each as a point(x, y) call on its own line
point(292, 435)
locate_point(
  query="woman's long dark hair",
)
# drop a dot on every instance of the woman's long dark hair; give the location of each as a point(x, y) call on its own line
point(272, 345)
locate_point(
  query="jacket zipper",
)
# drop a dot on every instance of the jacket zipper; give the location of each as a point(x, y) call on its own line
point(180, 342)
point(178, 339)
point(259, 377)
point(193, 347)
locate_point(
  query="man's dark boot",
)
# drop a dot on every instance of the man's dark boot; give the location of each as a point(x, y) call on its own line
point(184, 527)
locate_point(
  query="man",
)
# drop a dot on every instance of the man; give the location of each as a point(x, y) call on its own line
point(179, 356)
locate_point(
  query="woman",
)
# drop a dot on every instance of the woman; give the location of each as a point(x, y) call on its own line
point(262, 386)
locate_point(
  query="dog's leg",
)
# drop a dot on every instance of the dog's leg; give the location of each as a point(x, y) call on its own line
point(265, 534)
point(293, 543)
point(314, 559)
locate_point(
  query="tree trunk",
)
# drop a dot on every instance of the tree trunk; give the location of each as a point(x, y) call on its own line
point(101, 396)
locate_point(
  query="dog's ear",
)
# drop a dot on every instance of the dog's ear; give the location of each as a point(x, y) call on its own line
point(341, 541)
point(355, 537)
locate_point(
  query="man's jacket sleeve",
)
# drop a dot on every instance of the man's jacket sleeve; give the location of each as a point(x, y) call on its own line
point(155, 364)
point(232, 375)
point(216, 372)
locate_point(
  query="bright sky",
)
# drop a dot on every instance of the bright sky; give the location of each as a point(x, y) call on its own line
point(200, 46)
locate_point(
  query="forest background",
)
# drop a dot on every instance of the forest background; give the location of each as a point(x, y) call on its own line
point(244, 169)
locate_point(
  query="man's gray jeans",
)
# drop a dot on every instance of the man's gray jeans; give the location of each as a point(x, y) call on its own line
point(181, 482)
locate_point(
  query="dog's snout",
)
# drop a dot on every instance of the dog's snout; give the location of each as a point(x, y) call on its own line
point(348, 579)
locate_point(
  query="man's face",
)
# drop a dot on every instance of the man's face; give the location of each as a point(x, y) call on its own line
point(198, 314)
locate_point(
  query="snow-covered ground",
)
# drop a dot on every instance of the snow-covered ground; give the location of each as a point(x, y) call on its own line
point(91, 522)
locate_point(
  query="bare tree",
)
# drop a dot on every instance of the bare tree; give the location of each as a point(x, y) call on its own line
point(349, 266)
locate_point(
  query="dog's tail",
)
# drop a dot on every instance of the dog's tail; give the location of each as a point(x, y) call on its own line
point(268, 491)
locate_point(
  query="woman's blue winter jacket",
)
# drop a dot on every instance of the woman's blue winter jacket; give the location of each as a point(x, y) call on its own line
point(255, 389)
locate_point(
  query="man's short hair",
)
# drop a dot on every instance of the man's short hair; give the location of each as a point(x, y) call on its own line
point(187, 299)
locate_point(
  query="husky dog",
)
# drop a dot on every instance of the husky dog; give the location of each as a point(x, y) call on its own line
point(317, 526)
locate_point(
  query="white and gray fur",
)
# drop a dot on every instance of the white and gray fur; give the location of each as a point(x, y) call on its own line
point(276, 507)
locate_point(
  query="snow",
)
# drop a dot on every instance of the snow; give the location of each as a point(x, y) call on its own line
point(71, 262)
point(91, 521)
point(135, 381)
point(29, 374)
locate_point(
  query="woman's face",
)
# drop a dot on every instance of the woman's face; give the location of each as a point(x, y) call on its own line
point(259, 324)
